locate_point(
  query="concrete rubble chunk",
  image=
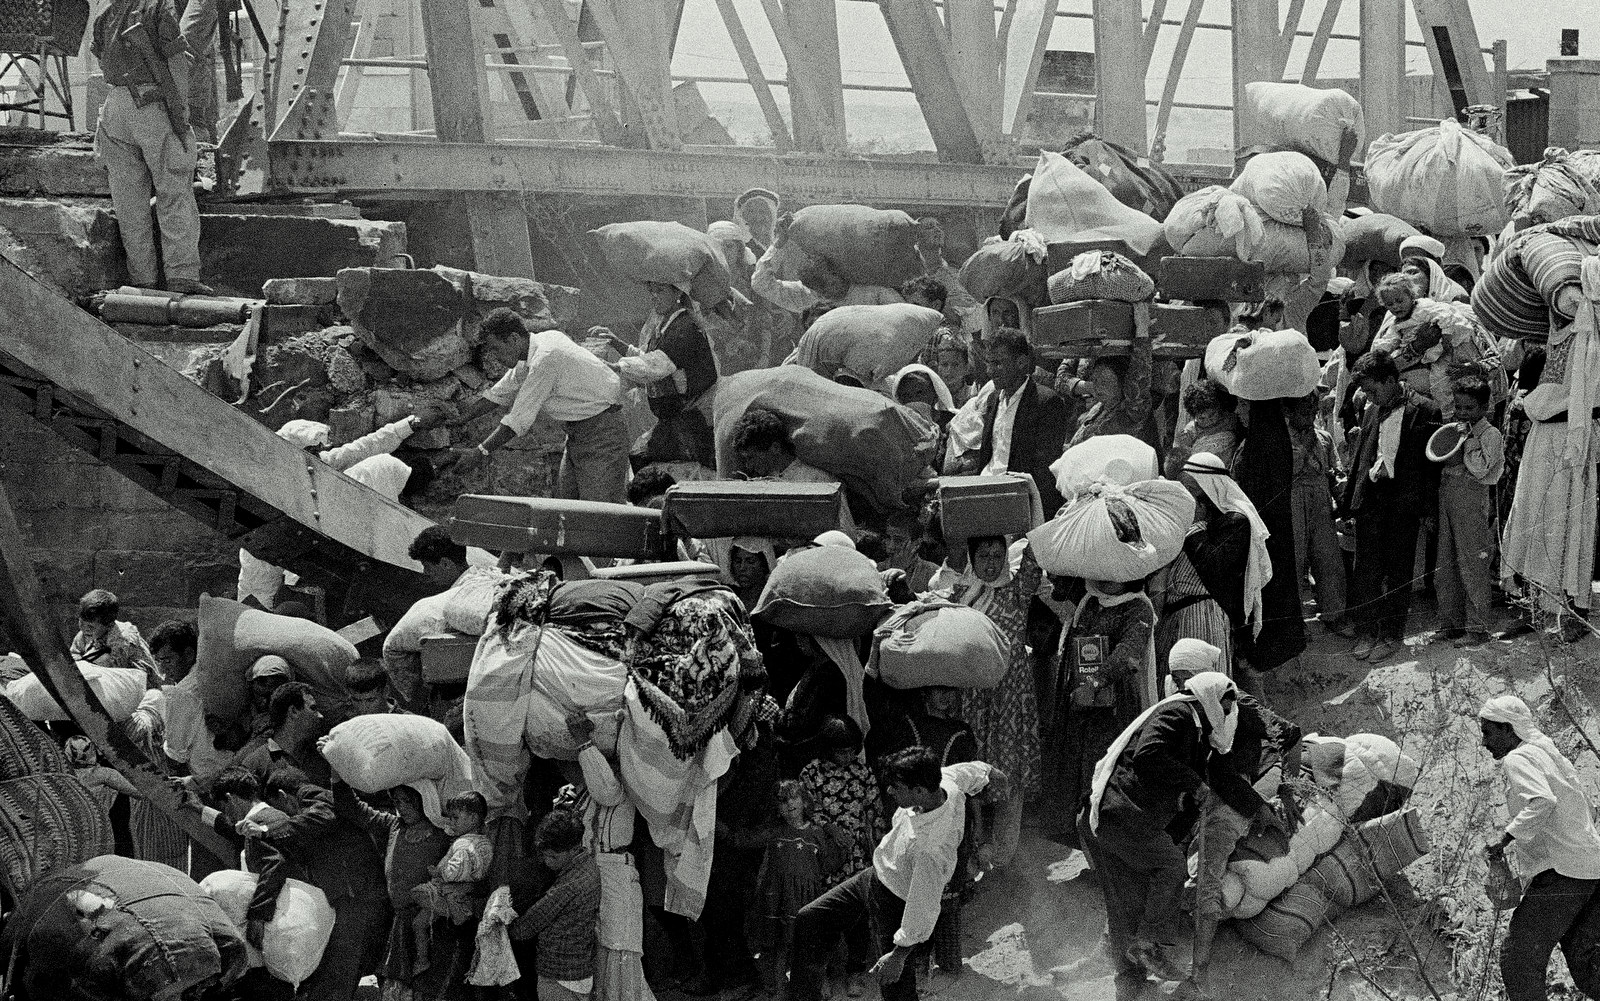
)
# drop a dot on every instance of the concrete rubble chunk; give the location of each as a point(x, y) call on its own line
point(416, 321)
point(71, 245)
point(300, 291)
point(240, 253)
point(542, 305)
point(343, 373)
point(430, 440)
point(347, 423)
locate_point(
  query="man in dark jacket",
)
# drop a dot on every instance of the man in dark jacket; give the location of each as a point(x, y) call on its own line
point(1142, 806)
point(1025, 425)
point(1392, 494)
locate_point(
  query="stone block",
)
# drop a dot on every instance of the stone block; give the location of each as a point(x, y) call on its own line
point(347, 423)
point(145, 578)
point(429, 440)
point(392, 404)
point(300, 291)
point(167, 530)
point(240, 253)
point(52, 168)
point(344, 373)
point(416, 321)
point(118, 493)
point(56, 485)
point(71, 244)
point(278, 322)
point(470, 377)
point(64, 574)
point(543, 306)
point(66, 528)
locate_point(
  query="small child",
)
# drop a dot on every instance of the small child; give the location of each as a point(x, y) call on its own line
point(1316, 544)
point(454, 883)
point(1466, 517)
point(105, 782)
point(841, 790)
point(1213, 427)
point(798, 867)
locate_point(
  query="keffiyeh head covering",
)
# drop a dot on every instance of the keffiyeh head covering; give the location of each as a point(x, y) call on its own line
point(1515, 712)
point(305, 433)
point(1189, 657)
point(1209, 688)
point(1212, 476)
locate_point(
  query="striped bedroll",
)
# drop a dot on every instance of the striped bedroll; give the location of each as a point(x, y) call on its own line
point(47, 823)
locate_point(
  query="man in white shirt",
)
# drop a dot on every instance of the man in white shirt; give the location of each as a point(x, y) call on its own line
point(1554, 848)
point(818, 283)
point(552, 375)
point(910, 868)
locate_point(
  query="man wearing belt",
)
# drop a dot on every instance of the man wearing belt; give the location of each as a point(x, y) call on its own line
point(565, 382)
point(144, 140)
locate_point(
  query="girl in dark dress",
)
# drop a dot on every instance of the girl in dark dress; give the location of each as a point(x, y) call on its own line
point(1263, 467)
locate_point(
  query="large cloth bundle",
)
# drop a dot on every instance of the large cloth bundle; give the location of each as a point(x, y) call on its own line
point(868, 246)
point(870, 342)
point(381, 751)
point(119, 690)
point(163, 939)
point(1520, 285)
point(1116, 533)
point(1560, 185)
point(1265, 865)
point(872, 444)
point(48, 822)
point(937, 642)
point(1263, 364)
point(1375, 236)
point(1214, 222)
point(1283, 186)
point(293, 941)
point(1446, 180)
point(825, 591)
point(1289, 250)
point(1136, 181)
point(1101, 274)
point(551, 648)
point(1292, 116)
point(1120, 459)
point(1065, 205)
point(1014, 268)
point(665, 253)
point(463, 609)
point(233, 636)
point(1365, 775)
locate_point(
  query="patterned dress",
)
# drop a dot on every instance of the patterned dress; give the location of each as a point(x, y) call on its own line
point(1005, 719)
point(846, 796)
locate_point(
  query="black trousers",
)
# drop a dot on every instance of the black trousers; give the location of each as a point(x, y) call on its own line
point(821, 925)
point(1380, 582)
point(1554, 911)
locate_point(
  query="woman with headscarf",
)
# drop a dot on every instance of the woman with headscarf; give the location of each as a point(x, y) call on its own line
point(1263, 469)
point(1000, 581)
point(1119, 388)
point(1142, 805)
point(1552, 839)
point(1214, 590)
point(920, 388)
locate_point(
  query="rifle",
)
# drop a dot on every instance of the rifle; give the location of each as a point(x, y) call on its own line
point(172, 98)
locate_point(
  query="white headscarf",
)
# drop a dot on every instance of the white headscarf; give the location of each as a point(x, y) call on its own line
point(722, 552)
point(305, 433)
point(834, 537)
point(1212, 476)
point(1204, 693)
point(1188, 657)
point(941, 392)
point(383, 473)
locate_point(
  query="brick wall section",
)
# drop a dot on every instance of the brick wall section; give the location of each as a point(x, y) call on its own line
point(91, 527)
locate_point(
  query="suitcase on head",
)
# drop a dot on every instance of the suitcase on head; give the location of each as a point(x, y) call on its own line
point(656, 573)
point(972, 506)
point(1225, 278)
point(725, 509)
point(557, 527)
point(1086, 329)
point(447, 658)
point(1183, 331)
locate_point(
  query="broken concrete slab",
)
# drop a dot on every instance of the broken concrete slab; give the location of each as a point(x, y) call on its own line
point(300, 291)
point(240, 253)
point(69, 244)
point(418, 322)
point(541, 305)
point(60, 170)
point(347, 423)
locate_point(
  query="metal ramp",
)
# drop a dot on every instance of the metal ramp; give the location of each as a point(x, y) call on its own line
point(105, 395)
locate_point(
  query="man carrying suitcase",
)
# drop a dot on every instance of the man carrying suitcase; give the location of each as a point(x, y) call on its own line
point(551, 375)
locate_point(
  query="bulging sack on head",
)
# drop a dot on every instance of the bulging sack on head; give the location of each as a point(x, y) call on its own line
point(119, 690)
point(233, 636)
point(378, 752)
point(1283, 186)
point(665, 253)
point(1115, 533)
point(1264, 364)
point(1309, 120)
point(932, 642)
point(867, 246)
point(1120, 459)
point(824, 591)
point(1447, 180)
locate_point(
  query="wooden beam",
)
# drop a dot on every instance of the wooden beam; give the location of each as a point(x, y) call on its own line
point(758, 76)
point(1256, 37)
point(808, 135)
point(975, 59)
point(1383, 66)
point(1119, 60)
point(1041, 43)
point(1152, 30)
point(501, 244)
point(919, 38)
point(1169, 89)
point(606, 123)
point(346, 167)
point(643, 65)
point(1319, 41)
point(1456, 55)
point(345, 95)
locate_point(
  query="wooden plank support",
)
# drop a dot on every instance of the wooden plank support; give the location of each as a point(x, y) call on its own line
point(344, 95)
point(758, 76)
point(606, 123)
point(1291, 27)
point(1457, 56)
point(1383, 66)
point(316, 39)
point(1119, 61)
point(643, 64)
point(807, 32)
point(500, 241)
point(234, 474)
point(919, 38)
point(331, 167)
point(27, 622)
point(1256, 40)
point(1319, 42)
point(1152, 30)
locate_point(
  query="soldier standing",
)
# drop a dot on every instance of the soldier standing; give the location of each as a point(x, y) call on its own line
point(144, 139)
